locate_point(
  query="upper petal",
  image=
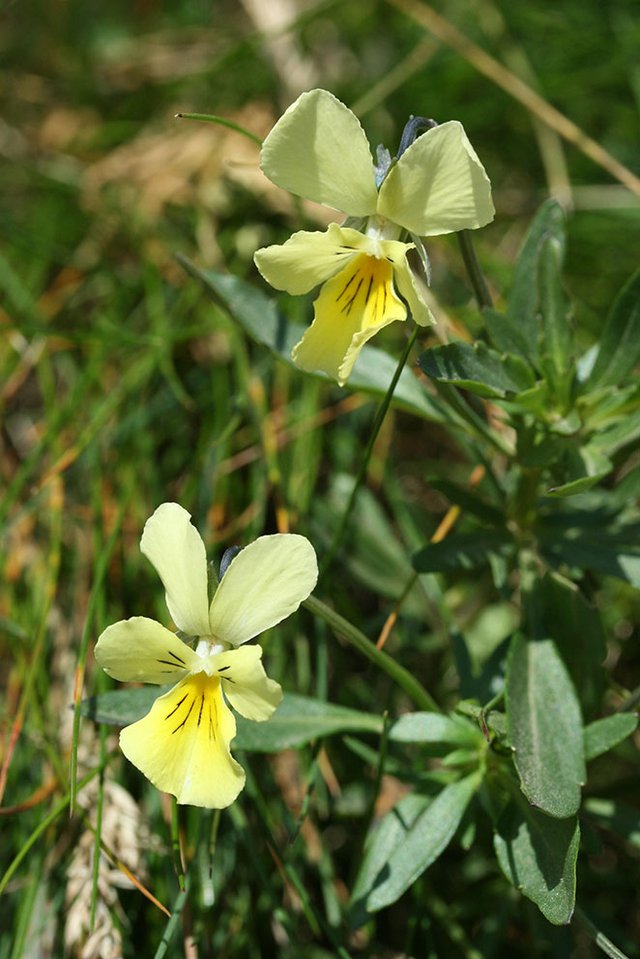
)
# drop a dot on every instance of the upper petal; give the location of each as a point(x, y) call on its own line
point(265, 583)
point(352, 307)
point(143, 650)
point(245, 683)
point(176, 550)
point(438, 185)
point(305, 260)
point(182, 744)
point(319, 151)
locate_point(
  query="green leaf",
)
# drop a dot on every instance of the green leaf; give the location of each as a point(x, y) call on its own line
point(462, 551)
point(477, 368)
point(423, 727)
point(545, 727)
point(259, 317)
point(538, 855)
point(409, 839)
point(557, 337)
point(620, 341)
point(562, 612)
point(524, 298)
point(506, 336)
point(586, 468)
point(603, 734)
point(296, 721)
point(471, 503)
point(613, 549)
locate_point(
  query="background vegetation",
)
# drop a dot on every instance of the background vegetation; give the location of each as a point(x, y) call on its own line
point(122, 385)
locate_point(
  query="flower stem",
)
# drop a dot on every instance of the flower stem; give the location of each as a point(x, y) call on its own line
point(474, 270)
point(342, 627)
point(364, 462)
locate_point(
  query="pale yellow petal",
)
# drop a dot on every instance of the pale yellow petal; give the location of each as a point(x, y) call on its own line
point(318, 150)
point(245, 684)
point(410, 291)
point(182, 744)
point(176, 550)
point(438, 185)
point(305, 260)
point(139, 649)
point(264, 584)
point(352, 307)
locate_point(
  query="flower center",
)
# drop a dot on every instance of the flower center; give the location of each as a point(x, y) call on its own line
point(379, 228)
point(208, 649)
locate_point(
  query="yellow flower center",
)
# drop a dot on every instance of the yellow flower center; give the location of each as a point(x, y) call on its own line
point(363, 288)
point(197, 706)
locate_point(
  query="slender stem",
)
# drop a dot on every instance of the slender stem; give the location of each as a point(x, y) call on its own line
point(221, 121)
point(474, 270)
point(364, 462)
point(342, 627)
point(598, 937)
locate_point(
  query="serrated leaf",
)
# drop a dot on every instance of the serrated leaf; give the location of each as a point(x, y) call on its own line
point(603, 734)
point(462, 551)
point(477, 368)
point(471, 503)
point(538, 856)
point(296, 721)
point(258, 315)
point(619, 348)
point(406, 843)
point(545, 727)
point(421, 727)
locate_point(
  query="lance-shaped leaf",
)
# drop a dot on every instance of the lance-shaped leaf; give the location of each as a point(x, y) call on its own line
point(524, 297)
point(463, 551)
point(603, 734)
point(259, 317)
point(611, 548)
point(409, 839)
point(557, 336)
point(477, 368)
point(620, 340)
point(538, 855)
point(545, 726)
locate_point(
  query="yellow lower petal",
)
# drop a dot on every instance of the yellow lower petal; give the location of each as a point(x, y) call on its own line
point(352, 307)
point(182, 744)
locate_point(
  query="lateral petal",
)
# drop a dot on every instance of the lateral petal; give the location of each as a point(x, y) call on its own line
point(319, 151)
point(305, 260)
point(177, 552)
point(139, 649)
point(245, 684)
point(182, 744)
point(409, 291)
point(438, 185)
point(352, 307)
point(264, 584)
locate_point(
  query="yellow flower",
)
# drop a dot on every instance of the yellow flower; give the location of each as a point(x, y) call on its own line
point(182, 744)
point(319, 151)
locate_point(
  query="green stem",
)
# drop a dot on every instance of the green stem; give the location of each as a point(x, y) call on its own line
point(474, 270)
point(598, 937)
point(364, 462)
point(221, 121)
point(342, 627)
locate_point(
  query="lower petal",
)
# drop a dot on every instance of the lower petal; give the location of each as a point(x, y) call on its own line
point(182, 744)
point(246, 685)
point(352, 307)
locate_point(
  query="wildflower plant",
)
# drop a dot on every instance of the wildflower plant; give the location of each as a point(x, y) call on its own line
point(436, 185)
point(183, 744)
point(548, 426)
